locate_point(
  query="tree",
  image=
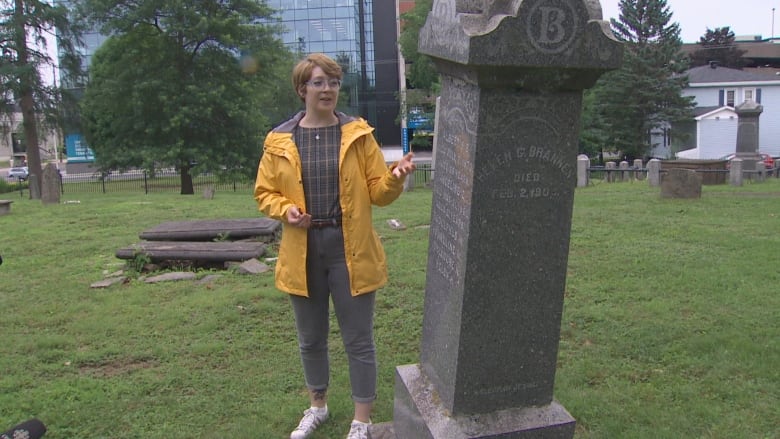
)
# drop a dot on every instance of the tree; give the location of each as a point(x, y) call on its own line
point(24, 28)
point(421, 75)
point(188, 85)
point(593, 135)
point(645, 93)
point(718, 45)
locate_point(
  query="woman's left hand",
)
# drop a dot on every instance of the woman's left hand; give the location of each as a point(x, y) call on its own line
point(405, 166)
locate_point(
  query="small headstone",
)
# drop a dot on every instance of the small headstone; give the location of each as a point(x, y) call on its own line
point(409, 183)
point(654, 172)
point(611, 177)
point(208, 193)
point(735, 172)
point(625, 175)
point(5, 207)
point(583, 163)
point(50, 186)
point(681, 183)
point(639, 175)
point(760, 170)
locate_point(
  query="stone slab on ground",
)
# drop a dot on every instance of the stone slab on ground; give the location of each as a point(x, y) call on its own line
point(5, 207)
point(200, 251)
point(105, 283)
point(207, 230)
point(169, 277)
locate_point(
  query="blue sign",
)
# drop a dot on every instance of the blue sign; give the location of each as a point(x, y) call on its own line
point(420, 121)
point(77, 149)
point(405, 134)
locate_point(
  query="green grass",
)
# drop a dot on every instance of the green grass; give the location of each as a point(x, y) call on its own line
point(670, 326)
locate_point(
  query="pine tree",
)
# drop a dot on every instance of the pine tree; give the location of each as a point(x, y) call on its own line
point(24, 28)
point(718, 45)
point(645, 93)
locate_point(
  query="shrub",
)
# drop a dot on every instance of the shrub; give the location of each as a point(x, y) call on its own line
point(422, 143)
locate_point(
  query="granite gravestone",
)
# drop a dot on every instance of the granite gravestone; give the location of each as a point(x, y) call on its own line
point(50, 185)
point(681, 183)
point(748, 114)
point(513, 73)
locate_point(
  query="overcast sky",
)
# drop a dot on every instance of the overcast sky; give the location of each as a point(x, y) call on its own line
point(744, 17)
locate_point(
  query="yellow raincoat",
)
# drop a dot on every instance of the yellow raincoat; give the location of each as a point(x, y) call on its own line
point(365, 179)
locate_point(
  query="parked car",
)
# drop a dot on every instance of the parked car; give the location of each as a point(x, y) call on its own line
point(769, 162)
point(21, 173)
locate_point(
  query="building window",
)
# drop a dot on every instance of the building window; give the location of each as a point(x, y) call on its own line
point(750, 94)
point(730, 97)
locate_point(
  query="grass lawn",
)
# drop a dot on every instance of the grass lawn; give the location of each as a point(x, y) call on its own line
point(670, 326)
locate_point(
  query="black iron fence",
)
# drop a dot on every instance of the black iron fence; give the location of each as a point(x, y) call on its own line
point(167, 180)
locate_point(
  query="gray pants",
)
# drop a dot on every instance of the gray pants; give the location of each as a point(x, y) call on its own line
point(327, 277)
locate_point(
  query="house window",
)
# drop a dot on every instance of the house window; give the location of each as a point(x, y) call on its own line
point(750, 94)
point(730, 97)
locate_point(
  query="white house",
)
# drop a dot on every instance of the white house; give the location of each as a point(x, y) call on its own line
point(717, 91)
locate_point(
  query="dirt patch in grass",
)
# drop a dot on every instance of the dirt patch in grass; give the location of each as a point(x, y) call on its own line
point(120, 366)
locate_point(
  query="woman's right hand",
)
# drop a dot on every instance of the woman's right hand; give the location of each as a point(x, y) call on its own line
point(296, 218)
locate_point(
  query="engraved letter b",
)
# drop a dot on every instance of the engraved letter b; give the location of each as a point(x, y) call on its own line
point(552, 31)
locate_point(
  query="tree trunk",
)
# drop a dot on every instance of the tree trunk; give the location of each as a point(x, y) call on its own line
point(186, 181)
point(26, 102)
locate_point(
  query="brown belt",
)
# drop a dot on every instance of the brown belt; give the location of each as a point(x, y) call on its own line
point(325, 222)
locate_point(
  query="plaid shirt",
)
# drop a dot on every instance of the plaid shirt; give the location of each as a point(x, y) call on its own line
point(319, 151)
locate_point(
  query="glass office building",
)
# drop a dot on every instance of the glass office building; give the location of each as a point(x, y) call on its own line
point(360, 35)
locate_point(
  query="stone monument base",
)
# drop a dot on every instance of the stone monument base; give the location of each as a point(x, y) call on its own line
point(418, 414)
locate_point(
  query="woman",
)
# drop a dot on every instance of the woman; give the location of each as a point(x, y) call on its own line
point(320, 173)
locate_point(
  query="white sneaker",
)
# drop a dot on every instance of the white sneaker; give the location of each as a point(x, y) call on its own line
point(310, 421)
point(359, 430)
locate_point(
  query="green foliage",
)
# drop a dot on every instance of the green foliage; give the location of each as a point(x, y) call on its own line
point(645, 93)
point(169, 89)
point(138, 262)
point(5, 187)
point(11, 186)
point(665, 335)
point(422, 142)
point(718, 45)
point(593, 133)
point(23, 59)
point(25, 30)
point(420, 70)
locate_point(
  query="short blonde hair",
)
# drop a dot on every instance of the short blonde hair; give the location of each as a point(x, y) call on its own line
point(302, 71)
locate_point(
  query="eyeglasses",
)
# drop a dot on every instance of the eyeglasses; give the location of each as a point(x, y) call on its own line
point(319, 84)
